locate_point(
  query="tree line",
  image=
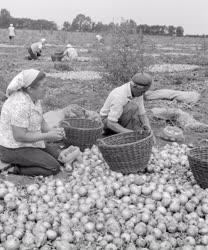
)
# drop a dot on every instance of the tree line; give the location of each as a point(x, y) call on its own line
point(25, 23)
point(83, 23)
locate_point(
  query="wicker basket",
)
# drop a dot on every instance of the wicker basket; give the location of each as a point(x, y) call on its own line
point(127, 152)
point(57, 56)
point(198, 161)
point(82, 132)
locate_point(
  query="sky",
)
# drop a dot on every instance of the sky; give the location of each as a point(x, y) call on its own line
point(191, 14)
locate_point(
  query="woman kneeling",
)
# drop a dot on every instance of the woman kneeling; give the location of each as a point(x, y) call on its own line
point(24, 134)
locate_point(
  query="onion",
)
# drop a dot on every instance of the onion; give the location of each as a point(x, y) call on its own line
point(9, 229)
point(145, 217)
point(51, 234)
point(175, 206)
point(140, 229)
point(146, 190)
point(67, 236)
point(204, 240)
point(154, 245)
point(165, 245)
point(140, 242)
point(78, 235)
point(166, 200)
point(89, 227)
point(84, 208)
point(204, 208)
point(28, 239)
point(126, 237)
point(40, 239)
point(156, 196)
point(99, 226)
point(110, 246)
point(125, 190)
point(157, 233)
point(131, 246)
point(62, 245)
point(190, 206)
point(192, 231)
point(183, 199)
point(45, 247)
point(161, 226)
point(82, 191)
point(199, 247)
point(135, 189)
point(18, 233)
point(3, 192)
point(190, 240)
point(12, 243)
point(1, 209)
point(126, 213)
point(187, 247)
point(162, 210)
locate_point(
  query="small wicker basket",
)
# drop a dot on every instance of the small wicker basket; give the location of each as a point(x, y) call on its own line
point(82, 132)
point(127, 152)
point(198, 161)
point(57, 56)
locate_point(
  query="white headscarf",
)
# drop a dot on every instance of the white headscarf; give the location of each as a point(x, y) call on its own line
point(69, 46)
point(22, 80)
point(42, 40)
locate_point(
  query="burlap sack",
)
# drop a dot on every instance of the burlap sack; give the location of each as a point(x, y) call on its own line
point(170, 94)
point(180, 118)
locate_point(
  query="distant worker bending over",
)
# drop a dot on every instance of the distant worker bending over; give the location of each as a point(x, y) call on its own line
point(70, 53)
point(99, 38)
point(120, 113)
point(35, 50)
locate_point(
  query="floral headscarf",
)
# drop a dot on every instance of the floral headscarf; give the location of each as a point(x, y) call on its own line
point(22, 80)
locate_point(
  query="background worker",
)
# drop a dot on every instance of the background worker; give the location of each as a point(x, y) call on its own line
point(35, 50)
point(12, 32)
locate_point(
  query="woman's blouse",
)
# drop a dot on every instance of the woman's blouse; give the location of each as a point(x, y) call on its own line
point(19, 110)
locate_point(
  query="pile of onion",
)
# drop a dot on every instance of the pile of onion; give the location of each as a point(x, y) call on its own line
point(163, 208)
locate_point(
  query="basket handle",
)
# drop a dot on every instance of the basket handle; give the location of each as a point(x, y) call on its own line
point(142, 131)
point(100, 142)
point(65, 124)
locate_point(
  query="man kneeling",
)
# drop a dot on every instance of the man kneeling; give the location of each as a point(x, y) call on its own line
point(122, 111)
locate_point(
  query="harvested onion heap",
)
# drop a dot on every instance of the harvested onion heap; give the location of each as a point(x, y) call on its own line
point(96, 208)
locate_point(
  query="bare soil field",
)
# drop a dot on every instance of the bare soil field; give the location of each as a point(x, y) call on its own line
point(89, 91)
point(182, 64)
point(85, 87)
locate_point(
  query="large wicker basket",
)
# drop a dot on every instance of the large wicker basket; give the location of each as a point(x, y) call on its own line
point(127, 152)
point(198, 161)
point(82, 132)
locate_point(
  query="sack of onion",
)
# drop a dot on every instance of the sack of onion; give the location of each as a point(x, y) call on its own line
point(172, 133)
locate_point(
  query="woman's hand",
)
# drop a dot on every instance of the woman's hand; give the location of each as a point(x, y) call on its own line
point(61, 130)
point(147, 129)
point(56, 134)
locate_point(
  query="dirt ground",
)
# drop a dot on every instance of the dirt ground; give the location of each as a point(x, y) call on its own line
point(92, 93)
